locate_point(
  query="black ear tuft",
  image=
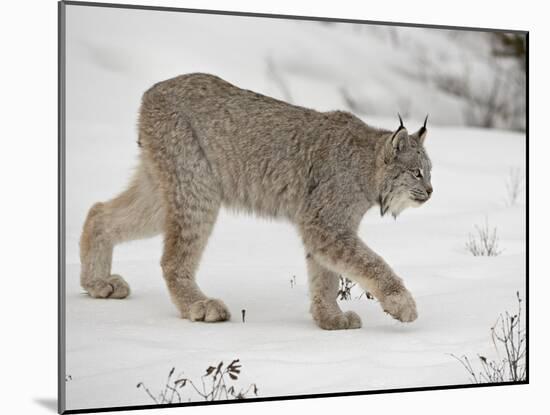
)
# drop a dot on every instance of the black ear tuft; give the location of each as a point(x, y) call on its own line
point(420, 135)
point(400, 122)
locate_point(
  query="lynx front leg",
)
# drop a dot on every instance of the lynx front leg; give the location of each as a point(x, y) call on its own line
point(343, 252)
point(186, 235)
point(323, 288)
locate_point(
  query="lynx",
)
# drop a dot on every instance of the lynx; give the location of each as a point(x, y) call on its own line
point(206, 143)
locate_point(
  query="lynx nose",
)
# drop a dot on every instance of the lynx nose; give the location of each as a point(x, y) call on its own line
point(429, 190)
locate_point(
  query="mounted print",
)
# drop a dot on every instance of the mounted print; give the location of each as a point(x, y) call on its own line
point(259, 207)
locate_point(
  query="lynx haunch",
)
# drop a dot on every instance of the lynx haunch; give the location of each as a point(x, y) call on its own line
point(206, 143)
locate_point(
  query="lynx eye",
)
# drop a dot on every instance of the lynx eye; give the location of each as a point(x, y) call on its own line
point(418, 173)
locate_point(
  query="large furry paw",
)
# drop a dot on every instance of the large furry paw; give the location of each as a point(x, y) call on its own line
point(112, 287)
point(209, 310)
point(400, 306)
point(339, 321)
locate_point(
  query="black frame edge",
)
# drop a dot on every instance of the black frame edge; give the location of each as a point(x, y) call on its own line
point(61, 206)
point(287, 16)
point(294, 397)
point(527, 205)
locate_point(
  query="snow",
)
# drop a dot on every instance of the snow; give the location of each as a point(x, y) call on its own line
point(111, 345)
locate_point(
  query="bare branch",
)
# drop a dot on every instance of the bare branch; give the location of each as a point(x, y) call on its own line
point(219, 388)
point(485, 242)
point(508, 337)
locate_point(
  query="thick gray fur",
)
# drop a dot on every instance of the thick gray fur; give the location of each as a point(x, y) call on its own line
point(206, 143)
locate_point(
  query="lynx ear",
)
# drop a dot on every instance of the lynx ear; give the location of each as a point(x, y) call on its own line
point(420, 135)
point(400, 140)
point(397, 142)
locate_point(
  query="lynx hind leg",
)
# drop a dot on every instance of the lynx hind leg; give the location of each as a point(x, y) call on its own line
point(323, 286)
point(136, 213)
point(187, 232)
point(192, 198)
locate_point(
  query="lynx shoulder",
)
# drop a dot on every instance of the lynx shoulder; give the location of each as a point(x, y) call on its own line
point(206, 143)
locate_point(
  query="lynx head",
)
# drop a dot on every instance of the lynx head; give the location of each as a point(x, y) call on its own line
point(406, 175)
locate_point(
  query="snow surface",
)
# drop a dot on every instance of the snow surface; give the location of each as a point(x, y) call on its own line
point(114, 55)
